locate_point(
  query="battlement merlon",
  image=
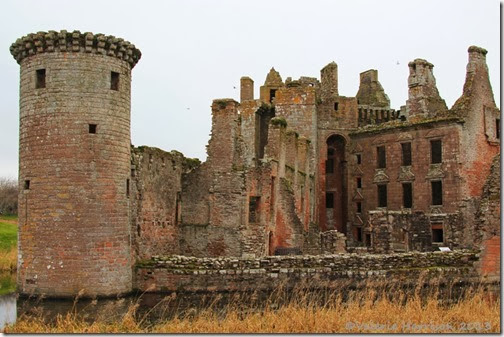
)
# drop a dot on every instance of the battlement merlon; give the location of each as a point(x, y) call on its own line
point(63, 41)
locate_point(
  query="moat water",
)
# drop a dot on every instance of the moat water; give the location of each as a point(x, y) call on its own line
point(146, 308)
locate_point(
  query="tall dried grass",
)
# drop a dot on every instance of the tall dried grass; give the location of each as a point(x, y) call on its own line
point(365, 311)
point(8, 259)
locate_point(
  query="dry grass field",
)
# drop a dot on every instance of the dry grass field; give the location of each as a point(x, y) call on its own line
point(363, 312)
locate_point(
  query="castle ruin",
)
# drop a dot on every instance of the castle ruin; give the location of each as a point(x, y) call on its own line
point(300, 170)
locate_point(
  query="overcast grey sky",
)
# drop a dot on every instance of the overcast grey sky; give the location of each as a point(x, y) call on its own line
point(195, 51)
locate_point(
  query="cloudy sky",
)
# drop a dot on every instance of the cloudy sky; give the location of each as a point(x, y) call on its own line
point(195, 51)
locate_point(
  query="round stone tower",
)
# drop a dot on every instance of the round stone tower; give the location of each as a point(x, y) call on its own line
point(74, 163)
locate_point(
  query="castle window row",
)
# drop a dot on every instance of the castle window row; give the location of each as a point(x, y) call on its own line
point(407, 188)
point(381, 154)
point(40, 79)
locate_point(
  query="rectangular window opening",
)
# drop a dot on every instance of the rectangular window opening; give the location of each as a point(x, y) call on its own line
point(359, 182)
point(114, 80)
point(26, 184)
point(436, 153)
point(382, 195)
point(497, 128)
point(406, 154)
point(272, 94)
point(437, 192)
point(336, 105)
point(359, 158)
point(329, 166)
point(359, 234)
point(382, 159)
point(92, 128)
point(437, 235)
point(40, 79)
point(127, 188)
point(407, 195)
point(329, 200)
point(368, 240)
point(254, 209)
point(359, 207)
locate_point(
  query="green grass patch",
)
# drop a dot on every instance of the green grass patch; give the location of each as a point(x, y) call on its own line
point(8, 233)
point(7, 283)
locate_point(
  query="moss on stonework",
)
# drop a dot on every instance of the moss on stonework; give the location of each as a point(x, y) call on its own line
point(237, 167)
point(191, 163)
point(292, 132)
point(289, 167)
point(287, 185)
point(278, 121)
point(145, 264)
point(223, 102)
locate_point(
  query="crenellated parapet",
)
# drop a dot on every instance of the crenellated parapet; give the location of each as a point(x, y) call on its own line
point(375, 115)
point(63, 41)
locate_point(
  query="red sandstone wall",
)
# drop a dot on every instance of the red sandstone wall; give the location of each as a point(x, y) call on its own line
point(476, 105)
point(488, 223)
point(158, 212)
point(420, 173)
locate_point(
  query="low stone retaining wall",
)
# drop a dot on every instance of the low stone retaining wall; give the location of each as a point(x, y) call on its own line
point(181, 273)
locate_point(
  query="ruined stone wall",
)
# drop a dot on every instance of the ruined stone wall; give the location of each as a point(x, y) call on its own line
point(74, 164)
point(333, 122)
point(179, 273)
point(298, 106)
point(250, 130)
point(156, 190)
point(488, 223)
point(292, 188)
point(332, 242)
point(213, 196)
point(332, 117)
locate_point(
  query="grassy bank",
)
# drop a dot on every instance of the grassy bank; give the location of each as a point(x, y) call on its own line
point(364, 312)
point(8, 242)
